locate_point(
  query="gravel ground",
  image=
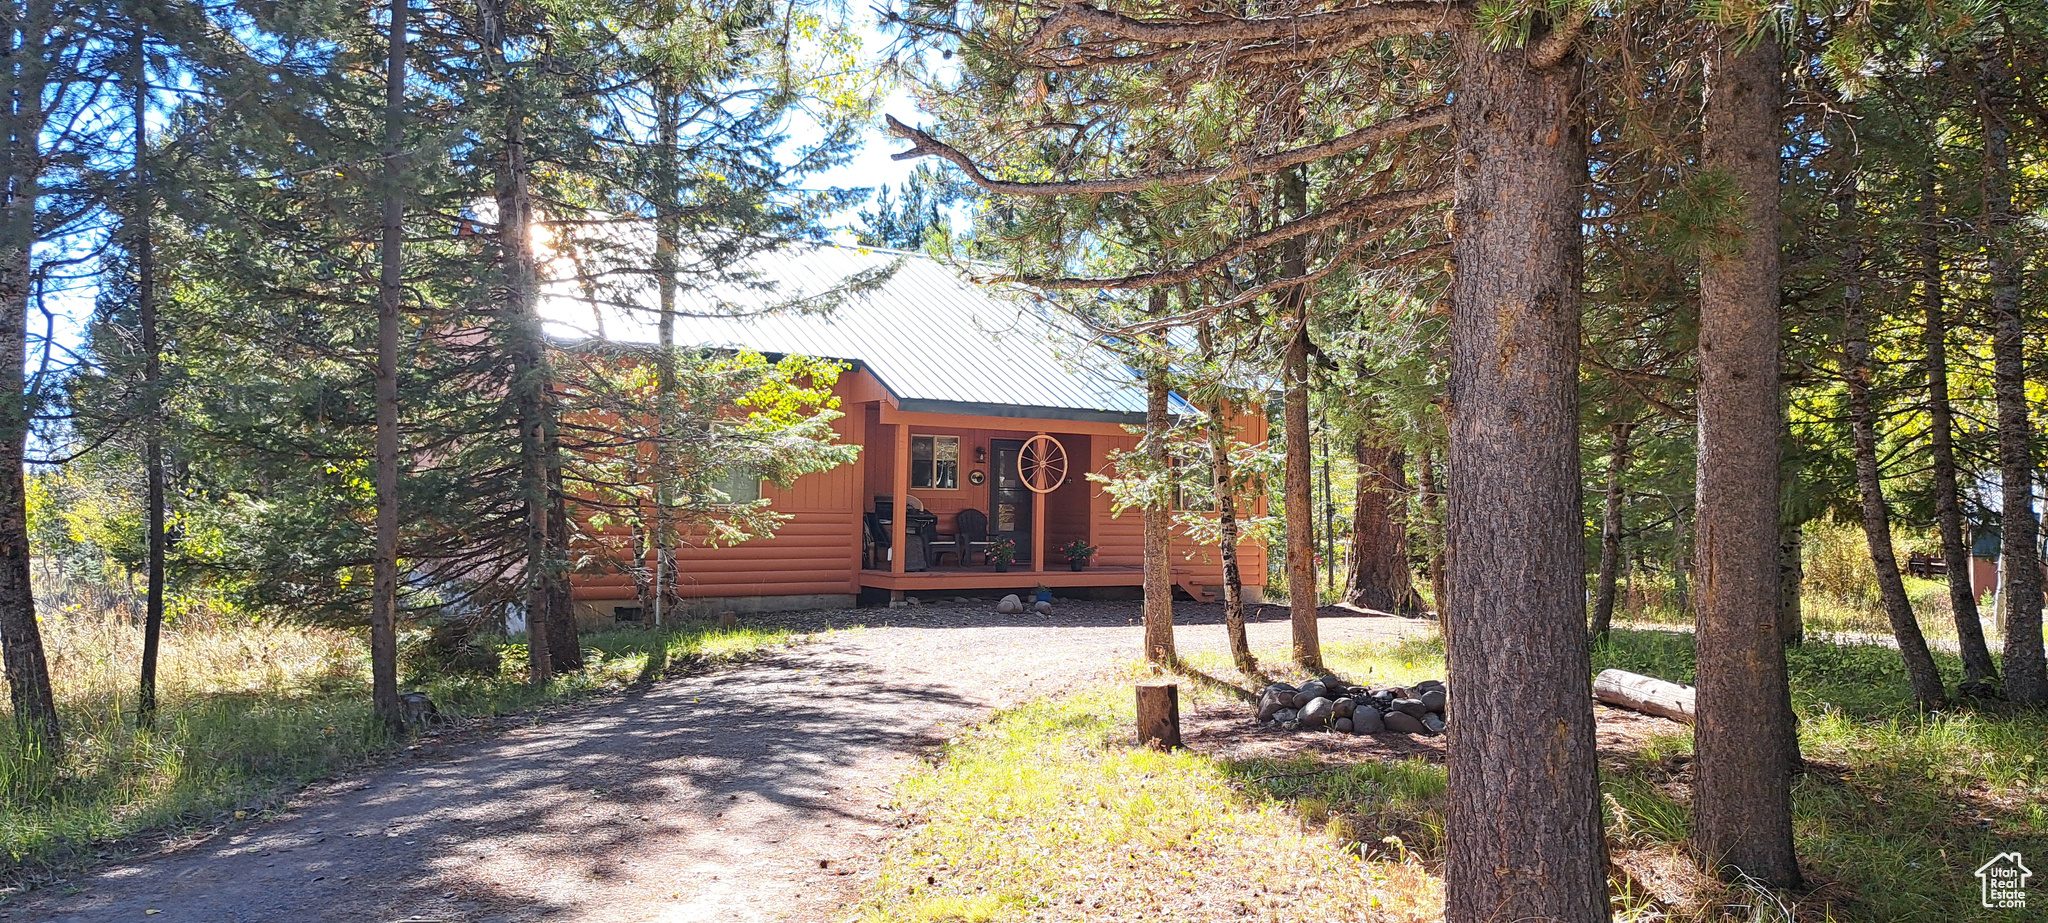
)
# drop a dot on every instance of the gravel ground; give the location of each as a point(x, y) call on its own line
point(750, 794)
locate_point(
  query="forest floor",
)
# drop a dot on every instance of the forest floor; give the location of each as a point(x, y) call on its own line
point(759, 793)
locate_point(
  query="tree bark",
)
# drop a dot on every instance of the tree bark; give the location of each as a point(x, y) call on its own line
point(1523, 831)
point(667, 227)
point(1610, 532)
point(1158, 514)
point(1224, 478)
point(1742, 804)
point(1296, 488)
point(1980, 675)
point(21, 638)
point(390, 294)
point(1379, 578)
point(142, 247)
point(2026, 668)
point(526, 344)
point(1433, 520)
point(565, 648)
point(1921, 672)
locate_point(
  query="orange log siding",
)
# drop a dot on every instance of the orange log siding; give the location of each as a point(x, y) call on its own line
point(818, 550)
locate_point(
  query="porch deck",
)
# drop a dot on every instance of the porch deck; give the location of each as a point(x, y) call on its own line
point(958, 577)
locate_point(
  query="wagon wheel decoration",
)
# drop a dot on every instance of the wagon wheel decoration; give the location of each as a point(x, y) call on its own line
point(1042, 464)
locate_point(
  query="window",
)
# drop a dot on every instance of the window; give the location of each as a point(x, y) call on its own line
point(935, 462)
point(1194, 488)
point(739, 486)
point(627, 614)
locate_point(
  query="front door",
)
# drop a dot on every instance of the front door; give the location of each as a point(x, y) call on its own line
point(1009, 501)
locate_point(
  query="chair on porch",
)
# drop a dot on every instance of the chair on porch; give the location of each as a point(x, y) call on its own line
point(970, 535)
point(917, 555)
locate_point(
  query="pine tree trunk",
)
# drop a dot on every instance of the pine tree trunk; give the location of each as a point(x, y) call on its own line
point(1223, 477)
point(526, 345)
point(1379, 578)
point(1980, 675)
point(1523, 833)
point(1742, 804)
point(21, 639)
point(2025, 667)
point(1296, 494)
point(1433, 520)
point(390, 294)
point(1921, 673)
point(142, 246)
point(565, 647)
point(1791, 581)
point(1158, 521)
point(1610, 532)
point(667, 227)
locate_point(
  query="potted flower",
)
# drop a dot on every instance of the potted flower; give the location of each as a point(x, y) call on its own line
point(1002, 551)
point(1078, 553)
point(1042, 593)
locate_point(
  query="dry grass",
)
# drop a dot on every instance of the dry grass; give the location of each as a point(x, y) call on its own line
point(1049, 813)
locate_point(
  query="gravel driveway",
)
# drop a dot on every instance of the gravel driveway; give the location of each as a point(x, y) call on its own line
point(750, 794)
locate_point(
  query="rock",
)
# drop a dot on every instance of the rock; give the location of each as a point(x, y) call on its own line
point(1345, 707)
point(961, 599)
point(912, 600)
point(1317, 713)
point(1412, 707)
point(1404, 723)
point(1429, 684)
point(1310, 691)
point(1366, 720)
point(1041, 607)
point(1010, 605)
point(1273, 701)
point(1290, 689)
point(1341, 725)
point(1434, 722)
point(1285, 716)
point(1434, 699)
point(1384, 697)
point(1330, 683)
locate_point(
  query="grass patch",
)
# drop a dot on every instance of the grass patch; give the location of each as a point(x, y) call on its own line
point(250, 712)
point(1048, 813)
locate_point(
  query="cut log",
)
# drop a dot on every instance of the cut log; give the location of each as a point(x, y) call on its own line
point(1646, 694)
point(1159, 714)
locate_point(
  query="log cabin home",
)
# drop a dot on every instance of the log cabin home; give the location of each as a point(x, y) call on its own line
point(985, 410)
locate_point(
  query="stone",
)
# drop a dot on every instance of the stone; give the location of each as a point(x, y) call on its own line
point(1345, 707)
point(1411, 707)
point(1404, 723)
point(1434, 722)
point(1272, 701)
point(1434, 699)
point(913, 600)
point(1341, 725)
point(961, 599)
point(1010, 605)
point(1317, 713)
point(1329, 682)
point(1310, 691)
point(1041, 607)
point(1384, 697)
point(1429, 684)
point(1285, 716)
point(1366, 720)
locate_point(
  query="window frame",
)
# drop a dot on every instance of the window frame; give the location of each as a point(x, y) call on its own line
point(931, 466)
point(734, 478)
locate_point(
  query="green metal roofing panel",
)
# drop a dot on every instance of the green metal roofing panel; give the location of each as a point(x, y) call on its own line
point(938, 341)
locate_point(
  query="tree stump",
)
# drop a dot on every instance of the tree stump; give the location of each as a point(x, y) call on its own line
point(1159, 714)
point(1645, 694)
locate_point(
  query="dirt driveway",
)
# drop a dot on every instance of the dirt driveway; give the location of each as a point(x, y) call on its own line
point(750, 794)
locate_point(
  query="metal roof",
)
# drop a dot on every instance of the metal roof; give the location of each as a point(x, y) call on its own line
point(936, 340)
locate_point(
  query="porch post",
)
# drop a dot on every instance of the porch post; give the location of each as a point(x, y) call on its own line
point(1037, 531)
point(899, 519)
